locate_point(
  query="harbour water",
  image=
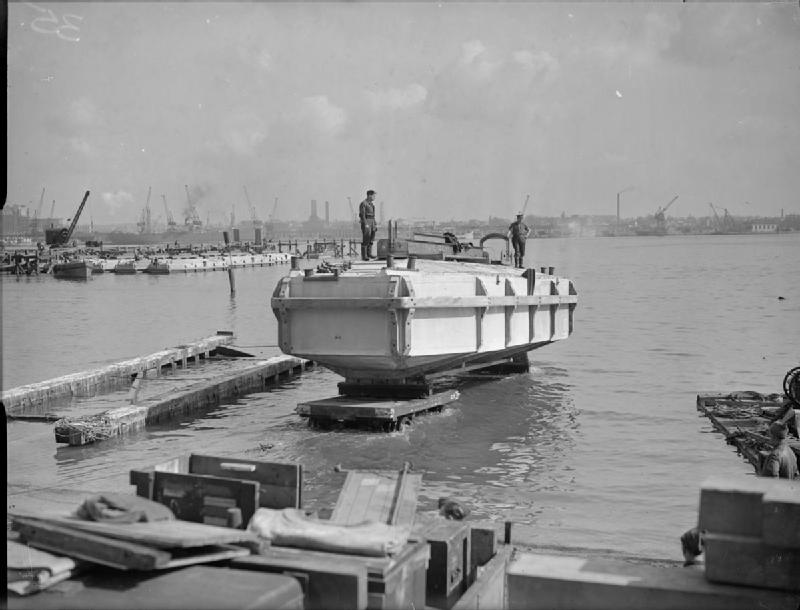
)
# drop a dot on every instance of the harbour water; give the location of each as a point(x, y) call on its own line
point(599, 447)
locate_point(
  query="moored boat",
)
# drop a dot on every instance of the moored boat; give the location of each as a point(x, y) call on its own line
point(130, 266)
point(395, 321)
point(72, 270)
point(158, 266)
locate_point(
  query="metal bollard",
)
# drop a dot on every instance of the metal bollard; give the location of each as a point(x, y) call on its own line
point(551, 270)
point(412, 263)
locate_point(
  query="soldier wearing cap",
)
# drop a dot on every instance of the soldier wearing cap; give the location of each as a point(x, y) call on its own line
point(366, 215)
point(518, 232)
point(781, 461)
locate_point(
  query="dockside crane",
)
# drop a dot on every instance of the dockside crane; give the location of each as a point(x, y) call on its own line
point(525, 205)
point(272, 216)
point(352, 210)
point(145, 225)
point(171, 224)
point(659, 215)
point(38, 214)
point(192, 218)
point(717, 219)
point(59, 237)
point(253, 217)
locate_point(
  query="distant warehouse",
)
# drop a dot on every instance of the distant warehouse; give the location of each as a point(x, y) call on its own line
point(769, 227)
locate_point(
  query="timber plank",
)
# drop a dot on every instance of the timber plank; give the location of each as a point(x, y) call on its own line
point(63, 540)
point(381, 497)
point(159, 534)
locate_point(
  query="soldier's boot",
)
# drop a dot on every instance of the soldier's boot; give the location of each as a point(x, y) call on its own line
point(363, 253)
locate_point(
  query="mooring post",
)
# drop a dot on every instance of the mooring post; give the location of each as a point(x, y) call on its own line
point(230, 264)
point(507, 538)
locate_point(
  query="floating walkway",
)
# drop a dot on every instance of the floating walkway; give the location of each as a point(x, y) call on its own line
point(743, 418)
point(166, 264)
point(128, 396)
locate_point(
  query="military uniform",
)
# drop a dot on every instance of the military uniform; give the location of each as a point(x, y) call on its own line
point(519, 233)
point(366, 214)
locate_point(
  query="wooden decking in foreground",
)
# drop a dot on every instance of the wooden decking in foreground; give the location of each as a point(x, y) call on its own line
point(496, 575)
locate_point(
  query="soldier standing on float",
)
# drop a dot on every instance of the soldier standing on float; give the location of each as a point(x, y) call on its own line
point(366, 214)
point(518, 232)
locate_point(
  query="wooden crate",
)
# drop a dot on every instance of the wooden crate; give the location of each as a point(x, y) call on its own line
point(220, 490)
point(391, 582)
point(196, 587)
point(449, 570)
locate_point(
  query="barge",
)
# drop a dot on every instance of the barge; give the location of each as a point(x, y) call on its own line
point(72, 270)
point(428, 309)
point(396, 322)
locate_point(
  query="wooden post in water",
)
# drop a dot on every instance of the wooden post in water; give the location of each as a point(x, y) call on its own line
point(230, 264)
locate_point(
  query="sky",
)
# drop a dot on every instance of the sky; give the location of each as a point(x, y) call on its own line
point(448, 110)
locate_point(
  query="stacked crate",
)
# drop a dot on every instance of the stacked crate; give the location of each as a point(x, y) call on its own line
point(751, 532)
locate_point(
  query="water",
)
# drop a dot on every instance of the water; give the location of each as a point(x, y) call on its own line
point(599, 447)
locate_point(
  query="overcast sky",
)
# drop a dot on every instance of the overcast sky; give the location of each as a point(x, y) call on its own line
point(447, 110)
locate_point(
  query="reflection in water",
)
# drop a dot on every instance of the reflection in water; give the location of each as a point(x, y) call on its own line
point(231, 314)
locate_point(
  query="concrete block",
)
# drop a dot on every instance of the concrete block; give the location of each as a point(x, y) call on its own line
point(781, 525)
point(746, 560)
point(554, 582)
point(733, 505)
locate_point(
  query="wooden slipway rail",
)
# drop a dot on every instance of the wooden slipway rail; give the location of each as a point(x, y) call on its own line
point(173, 387)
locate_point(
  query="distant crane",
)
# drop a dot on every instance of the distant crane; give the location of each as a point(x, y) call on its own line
point(38, 215)
point(352, 210)
point(272, 215)
point(716, 216)
point(727, 219)
point(52, 210)
point(525, 205)
point(659, 215)
point(171, 224)
point(59, 237)
point(253, 217)
point(192, 218)
point(145, 225)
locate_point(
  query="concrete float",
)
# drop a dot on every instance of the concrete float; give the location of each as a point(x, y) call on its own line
point(37, 397)
point(225, 373)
